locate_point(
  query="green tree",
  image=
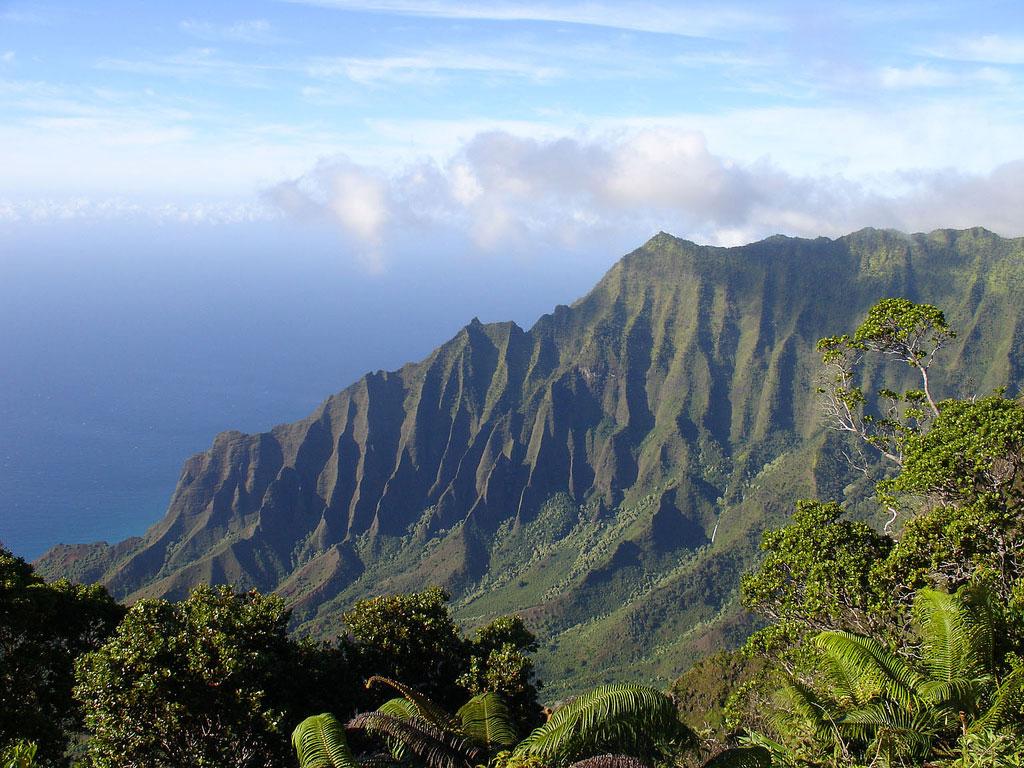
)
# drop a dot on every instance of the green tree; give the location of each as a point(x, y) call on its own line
point(903, 671)
point(499, 662)
point(817, 571)
point(409, 637)
point(963, 484)
point(211, 681)
point(896, 329)
point(958, 488)
point(43, 627)
point(414, 638)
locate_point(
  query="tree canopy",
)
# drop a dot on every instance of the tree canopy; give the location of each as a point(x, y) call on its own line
point(897, 646)
point(43, 627)
point(211, 680)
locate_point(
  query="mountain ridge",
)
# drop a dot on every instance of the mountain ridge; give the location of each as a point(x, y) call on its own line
point(593, 456)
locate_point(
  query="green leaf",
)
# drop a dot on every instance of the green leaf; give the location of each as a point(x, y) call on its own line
point(425, 707)
point(486, 720)
point(610, 761)
point(946, 648)
point(1008, 697)
point(867, 660)
point(620, 716)
point(435, 746)
point(320, 742)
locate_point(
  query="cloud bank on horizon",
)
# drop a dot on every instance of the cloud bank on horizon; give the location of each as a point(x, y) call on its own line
point(514, 125)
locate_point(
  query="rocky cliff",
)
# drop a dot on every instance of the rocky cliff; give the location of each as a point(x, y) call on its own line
point(607, 472)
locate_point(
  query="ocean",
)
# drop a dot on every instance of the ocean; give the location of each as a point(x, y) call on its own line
point(124, 352)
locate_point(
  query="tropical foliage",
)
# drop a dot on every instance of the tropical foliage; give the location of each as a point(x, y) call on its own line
point(612, 726)
point(901, 646)
point(413, 638)
point(867, 700)
point(43, 627)
point(210, 680)
point(410, 637)
point(19, 754)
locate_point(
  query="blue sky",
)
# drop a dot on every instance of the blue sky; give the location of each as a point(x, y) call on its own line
point(504, 126)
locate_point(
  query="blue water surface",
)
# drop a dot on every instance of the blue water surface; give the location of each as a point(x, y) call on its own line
point(125, 350)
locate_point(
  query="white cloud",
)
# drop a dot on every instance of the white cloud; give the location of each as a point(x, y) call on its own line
point(952, 199)
point(49, 209)
point(193, 63)
point(924, 76)
point(502, 192)
point(7, 57)
point(690, 20)
point(358, 202)
point(564, 179)
point(861, 143)
point(994, 49)
point(919, 76)
point(354, 197)
point(100, 146)
point(506, 191)
point(421, 68)
point(257, 31)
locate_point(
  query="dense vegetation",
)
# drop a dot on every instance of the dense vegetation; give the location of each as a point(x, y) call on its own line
point(215, 679)
point(43, 628)
point(896, 644)
point(900, 646)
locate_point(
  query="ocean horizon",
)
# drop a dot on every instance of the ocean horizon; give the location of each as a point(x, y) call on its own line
point(124, 358)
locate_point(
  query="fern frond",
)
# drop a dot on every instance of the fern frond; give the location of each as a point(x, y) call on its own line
point(955, 695)
point(893, 728)
point(872, 664)
point(403, 709)
point(486, 720)
point(320, 742)
point(1008, 697)
point(803, 704)
point(619, 716)
point(437, 747)
point(846, 687)
point(980, 606)
point(426, 708)
point(379, 760)
point(946, 647)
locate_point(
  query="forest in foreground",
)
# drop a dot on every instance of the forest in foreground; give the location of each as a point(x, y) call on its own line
point(889, 645)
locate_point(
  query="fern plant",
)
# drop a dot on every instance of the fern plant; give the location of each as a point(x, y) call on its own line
point(487, 721)
point(612, 726)
point(20, 754)
point(320, 742)
point(871, 700)
point(633, 719)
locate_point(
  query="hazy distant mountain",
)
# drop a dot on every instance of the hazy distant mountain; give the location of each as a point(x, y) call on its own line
point(576, 472)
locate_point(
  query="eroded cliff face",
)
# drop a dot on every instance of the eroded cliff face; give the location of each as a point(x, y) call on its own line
point(578, 471)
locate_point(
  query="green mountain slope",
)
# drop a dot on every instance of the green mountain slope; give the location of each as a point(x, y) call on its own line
point(607, 473)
